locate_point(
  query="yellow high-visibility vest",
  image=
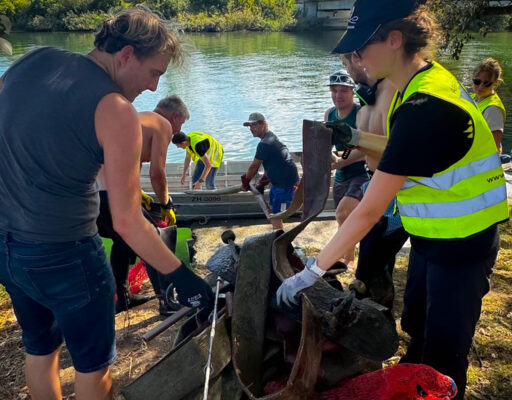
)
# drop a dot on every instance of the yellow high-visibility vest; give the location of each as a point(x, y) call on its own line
point(492, 100)
point(470, 195)
point(215, 151)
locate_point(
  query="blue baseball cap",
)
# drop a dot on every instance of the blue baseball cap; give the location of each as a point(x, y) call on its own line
point(367, 17)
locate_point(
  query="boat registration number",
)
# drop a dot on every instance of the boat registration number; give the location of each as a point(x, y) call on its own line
point(200, 199)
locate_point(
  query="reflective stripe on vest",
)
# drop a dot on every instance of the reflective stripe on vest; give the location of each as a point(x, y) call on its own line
point(470, 195)
point(492, 100)
point(215, 151)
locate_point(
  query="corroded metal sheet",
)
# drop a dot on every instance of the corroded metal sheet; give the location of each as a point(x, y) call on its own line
point(181, 372)
point(250, 303)
point(301, 382)
point(361, 326)
point(316, 158)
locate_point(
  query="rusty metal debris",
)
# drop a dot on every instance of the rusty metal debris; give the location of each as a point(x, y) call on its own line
point(247, 342)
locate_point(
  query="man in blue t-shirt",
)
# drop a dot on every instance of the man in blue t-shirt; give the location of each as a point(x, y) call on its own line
point(350, 173)
point(279, 167)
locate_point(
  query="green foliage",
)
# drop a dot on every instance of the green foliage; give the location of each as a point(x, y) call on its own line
point(232, 21)
point(460, 19)
point(8, 7)
point(168, 8)
point(83, 22)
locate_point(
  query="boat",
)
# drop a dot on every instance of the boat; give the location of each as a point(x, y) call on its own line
point(201, 206)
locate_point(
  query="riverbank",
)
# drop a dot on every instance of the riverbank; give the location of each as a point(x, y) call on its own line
point(490, 380)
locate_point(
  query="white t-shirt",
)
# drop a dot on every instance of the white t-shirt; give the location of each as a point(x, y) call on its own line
point(495, 118)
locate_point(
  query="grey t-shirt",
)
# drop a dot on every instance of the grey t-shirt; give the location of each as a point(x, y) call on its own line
point(494, 117)
point(50, 156)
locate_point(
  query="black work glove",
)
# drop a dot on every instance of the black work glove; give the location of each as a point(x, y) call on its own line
point(264, 181)
point(245, 182)
point(192, 290)
point(343, 134)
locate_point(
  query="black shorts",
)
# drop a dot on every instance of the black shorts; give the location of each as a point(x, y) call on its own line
point(352, 187)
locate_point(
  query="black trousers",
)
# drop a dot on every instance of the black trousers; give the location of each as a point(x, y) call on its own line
point(122, 256)
point(376, 261)
point(442, 305)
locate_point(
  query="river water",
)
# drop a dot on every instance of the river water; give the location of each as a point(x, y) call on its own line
point(282, 75)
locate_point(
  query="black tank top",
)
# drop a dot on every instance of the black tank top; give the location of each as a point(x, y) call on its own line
point(49, 154)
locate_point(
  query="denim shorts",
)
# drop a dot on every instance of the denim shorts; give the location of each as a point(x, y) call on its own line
point(62, 291)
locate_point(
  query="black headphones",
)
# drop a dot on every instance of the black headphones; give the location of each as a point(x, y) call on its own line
point(366, 94)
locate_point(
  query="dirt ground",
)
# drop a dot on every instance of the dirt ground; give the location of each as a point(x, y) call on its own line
point(491, 380)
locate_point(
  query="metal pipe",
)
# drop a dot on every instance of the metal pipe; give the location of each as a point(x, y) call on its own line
point(212, 336)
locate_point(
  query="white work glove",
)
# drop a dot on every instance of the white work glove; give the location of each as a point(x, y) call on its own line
point(291, 287)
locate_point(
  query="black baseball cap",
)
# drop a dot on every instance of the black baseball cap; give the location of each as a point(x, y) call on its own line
point(367, 17)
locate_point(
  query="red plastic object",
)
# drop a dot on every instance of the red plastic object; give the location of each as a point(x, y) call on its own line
point(400, 382)
point(137, 276)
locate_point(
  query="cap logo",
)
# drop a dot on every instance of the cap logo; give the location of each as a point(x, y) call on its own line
point(352, 20)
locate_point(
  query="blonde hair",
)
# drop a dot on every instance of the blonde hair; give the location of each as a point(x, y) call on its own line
point(492, 67)
point(140, 28)
point(174, 104)
point(420, 33)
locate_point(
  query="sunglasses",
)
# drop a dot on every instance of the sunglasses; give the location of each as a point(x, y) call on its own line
point(339, 79)
point(371, 40)
point(478, 82)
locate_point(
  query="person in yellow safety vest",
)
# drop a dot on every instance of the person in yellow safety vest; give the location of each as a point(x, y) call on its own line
point(205, 151)
point(486, 79)
point(450, 197)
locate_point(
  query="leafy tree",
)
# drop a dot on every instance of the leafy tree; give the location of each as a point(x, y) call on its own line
point(459, 19)
point(8, 7)
point(168, 8)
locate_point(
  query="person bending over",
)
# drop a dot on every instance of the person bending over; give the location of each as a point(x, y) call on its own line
point(279, 167)
point(205, 151)
point(52, 262)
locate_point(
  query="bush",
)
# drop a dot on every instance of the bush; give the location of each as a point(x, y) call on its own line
point(9, 7)
point(168, 8)
point(88, 21)
point(232, 21)
point(40, 23)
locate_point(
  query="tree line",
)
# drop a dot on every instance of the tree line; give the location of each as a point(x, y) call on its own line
point(459, 19)
point(209, 15)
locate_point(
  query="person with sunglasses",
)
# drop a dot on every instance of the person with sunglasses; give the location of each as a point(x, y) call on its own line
point(486, 79)
point(350, 173)
point(442, 165)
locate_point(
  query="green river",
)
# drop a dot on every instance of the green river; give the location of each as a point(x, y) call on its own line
point(282, 75)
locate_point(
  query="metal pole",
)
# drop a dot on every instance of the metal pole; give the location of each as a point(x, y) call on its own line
point(212, 336)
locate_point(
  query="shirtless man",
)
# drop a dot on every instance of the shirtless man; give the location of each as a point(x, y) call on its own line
point(157, 130)
point(378, 249)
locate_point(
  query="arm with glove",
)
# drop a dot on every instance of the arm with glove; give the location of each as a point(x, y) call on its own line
point(251, 173)
point(120, 138)
point(166, 210)
point(343, 134)
point(381, 191)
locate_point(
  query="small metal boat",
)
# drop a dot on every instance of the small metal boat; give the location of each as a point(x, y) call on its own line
point(204, 205)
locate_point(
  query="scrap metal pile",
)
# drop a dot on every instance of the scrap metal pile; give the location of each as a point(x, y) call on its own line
point(262, 351)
